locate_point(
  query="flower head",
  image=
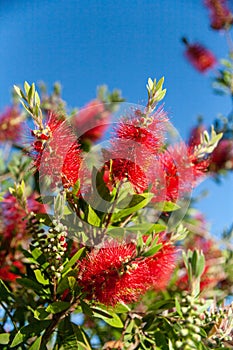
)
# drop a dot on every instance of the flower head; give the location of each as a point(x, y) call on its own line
point(179, 172)
point(56, 152)
point(220, 14)
point(10, 125)
point(146, 131)
point(136, 142)
point(13, 234)
point(114, 273)
point(201, 58)
point(91, 121)
point(222, 156)
point(12, 217)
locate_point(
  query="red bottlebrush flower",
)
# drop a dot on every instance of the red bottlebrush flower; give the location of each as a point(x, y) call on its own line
point(56, 152)
point(201, 58)
point(13, 224)
point(222, 156)
point(10, 125)
point(144, 131)
point(136, 142)
point(220, 14)
point(177, 171)
point(114, 274)
point(176, 176)
point(7, 275)
point(91, 121)
point(10, 268)
point(200, 166)
point(122, 170)
point(13, 234)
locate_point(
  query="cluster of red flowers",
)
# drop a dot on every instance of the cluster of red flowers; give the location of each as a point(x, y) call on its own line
point(10, 125)
point(115, 274)
point(91, 121)
point(222, 156)
point(201, 58)
point(13, 233)
point(220, 14)
point(137, 156)
point(221, 18)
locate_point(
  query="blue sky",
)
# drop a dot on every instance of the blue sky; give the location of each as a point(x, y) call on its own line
point(84, 44)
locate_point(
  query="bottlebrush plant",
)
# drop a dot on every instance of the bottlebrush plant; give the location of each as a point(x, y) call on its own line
point(101, 245)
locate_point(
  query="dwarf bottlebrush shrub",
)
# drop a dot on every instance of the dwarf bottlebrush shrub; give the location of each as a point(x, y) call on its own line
point(100, 244)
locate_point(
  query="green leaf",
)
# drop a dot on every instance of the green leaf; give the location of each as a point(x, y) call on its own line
point(101, 188)
point(29, 331)
point(37, 98)
point(137, 202)
point(201, 265)
point(153, 250)
point(40, 278)
point(31, 93)
point(4, 291)
point(86, 308)
point(72, 282)
point(70, 336)
point(162, 305)
point(194, 262)
point(40, 313)
point(36, 344)
point(110, 318)
point(36, 253)
point(26, 87)
point(28, 283)
point(178, 308)
point(130, 327)
point(57, 307)
point(145, 228)
point(92, 217)
point(18, 91)
point(121, 308)
point(73, 260)
point(4, 338)
point(167, 206)
point(63, 285)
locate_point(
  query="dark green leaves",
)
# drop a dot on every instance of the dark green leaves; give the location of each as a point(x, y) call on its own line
point(57, 306)
point(29, 331)
point(5, 293)
point(70, 336)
